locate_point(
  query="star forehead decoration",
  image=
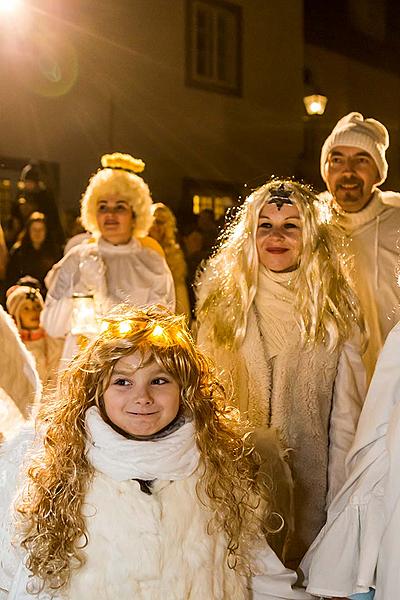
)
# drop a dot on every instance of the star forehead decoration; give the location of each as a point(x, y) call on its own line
point(32, 294)
point(280, 196)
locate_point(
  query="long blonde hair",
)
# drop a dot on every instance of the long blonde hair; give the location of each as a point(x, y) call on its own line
point(327, 307)
point(53, 530)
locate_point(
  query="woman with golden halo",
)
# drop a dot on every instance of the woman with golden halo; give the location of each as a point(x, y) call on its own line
point(164, 232)
point(277, 313)
point(120, 263)
point(140, 483)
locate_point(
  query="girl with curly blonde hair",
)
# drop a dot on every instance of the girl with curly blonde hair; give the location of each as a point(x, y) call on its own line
point(141, 483)
point(277, 312)
point(120, 263)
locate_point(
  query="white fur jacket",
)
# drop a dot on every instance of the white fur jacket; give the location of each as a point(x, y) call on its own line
point(145, 546)
point(19, 381)
point(313, 398)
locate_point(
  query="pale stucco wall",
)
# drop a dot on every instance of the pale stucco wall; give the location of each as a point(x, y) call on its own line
point(130, 95)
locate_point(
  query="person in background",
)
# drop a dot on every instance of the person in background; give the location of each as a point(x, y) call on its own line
point(164, 232)
point(353, 165)
point(208, 228)
point(25, 305)
point(12, 228)
point(140, 452)
point(276, 311)
point(121, 264)
point(35, 253)
point(34, 196)
point(195, 253)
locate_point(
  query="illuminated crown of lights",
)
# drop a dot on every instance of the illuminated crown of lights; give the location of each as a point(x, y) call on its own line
point(151, 330)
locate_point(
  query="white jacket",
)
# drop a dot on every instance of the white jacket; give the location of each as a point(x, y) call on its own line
point(373, 236)
point(359, 546)
point(314, 399)
point(132, 273)
point(146, 547)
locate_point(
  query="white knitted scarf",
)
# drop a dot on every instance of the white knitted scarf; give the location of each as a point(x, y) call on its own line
point(274, 302)
point(351, 222)
point(171, 458)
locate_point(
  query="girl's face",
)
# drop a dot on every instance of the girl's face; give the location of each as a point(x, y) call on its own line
point(141, 400)
point(29, 314)
point(279, 237)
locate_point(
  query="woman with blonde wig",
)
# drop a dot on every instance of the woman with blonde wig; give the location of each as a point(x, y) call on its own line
point(164, 232)
point(276, 311)
point(140, 482)
point(120, 263)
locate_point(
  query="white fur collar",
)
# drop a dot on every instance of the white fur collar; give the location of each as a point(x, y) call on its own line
point(173, 457)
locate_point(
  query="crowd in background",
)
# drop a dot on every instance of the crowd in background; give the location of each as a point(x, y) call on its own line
point(33, 239)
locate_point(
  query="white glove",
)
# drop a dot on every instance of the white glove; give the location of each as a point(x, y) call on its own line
point(92, 272)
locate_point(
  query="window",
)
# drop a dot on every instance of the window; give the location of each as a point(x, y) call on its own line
point(213, 46)
point(218, 204)
point(202, 194)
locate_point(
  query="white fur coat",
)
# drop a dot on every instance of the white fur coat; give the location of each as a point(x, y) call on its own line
point(19, 381)
point(147, 547)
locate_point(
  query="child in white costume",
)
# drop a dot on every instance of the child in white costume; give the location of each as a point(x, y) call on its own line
point(25, 303)
point(121, 263)
point(359, 547)
point(277, 313)
point(141, 484)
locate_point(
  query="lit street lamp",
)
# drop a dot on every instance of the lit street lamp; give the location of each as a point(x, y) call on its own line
point(315, 104)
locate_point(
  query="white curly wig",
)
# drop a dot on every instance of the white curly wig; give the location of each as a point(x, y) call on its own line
point(117, 181)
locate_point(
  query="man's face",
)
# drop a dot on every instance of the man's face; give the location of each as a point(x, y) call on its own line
point(351, 175)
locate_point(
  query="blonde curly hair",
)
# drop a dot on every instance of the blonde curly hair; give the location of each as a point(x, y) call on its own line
point(327, 307)
point(118, 177)
point(169, 224)
point(52, 526)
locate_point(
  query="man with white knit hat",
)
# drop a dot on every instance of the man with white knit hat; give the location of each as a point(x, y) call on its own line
point(353, 164)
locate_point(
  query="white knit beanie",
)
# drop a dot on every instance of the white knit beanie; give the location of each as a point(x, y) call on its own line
point(368, 134)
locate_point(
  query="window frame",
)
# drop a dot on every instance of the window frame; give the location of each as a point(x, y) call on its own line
point(190, 76)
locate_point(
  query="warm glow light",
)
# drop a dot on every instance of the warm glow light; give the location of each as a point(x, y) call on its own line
point(104, 326)
point(124, 327)
point(315, 104)
point(84, 318)
point(9, 6)
point(158, 331)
